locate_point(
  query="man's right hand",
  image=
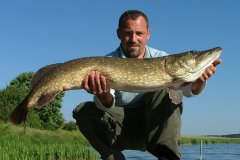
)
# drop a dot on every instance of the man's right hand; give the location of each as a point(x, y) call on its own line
point(96, 84)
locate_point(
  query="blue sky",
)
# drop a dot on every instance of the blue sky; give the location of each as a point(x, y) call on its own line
point(36, 33)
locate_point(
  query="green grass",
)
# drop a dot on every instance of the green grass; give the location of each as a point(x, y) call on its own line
point(43, 145)
point(63, 145)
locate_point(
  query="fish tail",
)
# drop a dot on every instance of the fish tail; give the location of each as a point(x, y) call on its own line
point(19, 114)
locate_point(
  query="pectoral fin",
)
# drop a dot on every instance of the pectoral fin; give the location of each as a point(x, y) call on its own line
point(175, 95)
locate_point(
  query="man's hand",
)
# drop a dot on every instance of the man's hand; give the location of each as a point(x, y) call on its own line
point(200, 82)
point(95, 83)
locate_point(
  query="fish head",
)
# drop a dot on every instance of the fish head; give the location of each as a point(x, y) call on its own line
point(190, 65)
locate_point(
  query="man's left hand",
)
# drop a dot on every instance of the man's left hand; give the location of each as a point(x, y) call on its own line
point(198, 85)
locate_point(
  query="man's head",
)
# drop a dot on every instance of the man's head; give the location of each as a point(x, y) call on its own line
point(133, 31)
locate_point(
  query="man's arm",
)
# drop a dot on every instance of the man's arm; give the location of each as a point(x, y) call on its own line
point(199, 84)
point(96, 84)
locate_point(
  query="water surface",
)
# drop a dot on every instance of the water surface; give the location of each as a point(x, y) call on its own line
point(192, 152)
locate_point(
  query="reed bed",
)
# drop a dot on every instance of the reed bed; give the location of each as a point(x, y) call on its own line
point(189, 140)
point(43, 145)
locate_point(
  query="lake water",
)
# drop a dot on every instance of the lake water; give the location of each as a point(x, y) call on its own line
point(192, 152)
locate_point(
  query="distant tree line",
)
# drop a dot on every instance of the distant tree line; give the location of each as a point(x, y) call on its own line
point(231, 135)
point(226, 135)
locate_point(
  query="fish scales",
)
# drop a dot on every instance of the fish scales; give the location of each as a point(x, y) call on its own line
point(125, 74)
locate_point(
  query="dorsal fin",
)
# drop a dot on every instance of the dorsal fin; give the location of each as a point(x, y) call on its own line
point(41, 72)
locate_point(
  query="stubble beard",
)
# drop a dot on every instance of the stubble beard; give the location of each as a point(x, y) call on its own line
point(133, 53)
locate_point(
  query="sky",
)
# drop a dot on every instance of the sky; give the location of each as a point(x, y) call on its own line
point(37, 33)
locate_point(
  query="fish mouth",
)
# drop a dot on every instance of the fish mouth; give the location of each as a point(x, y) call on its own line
point(208, 58)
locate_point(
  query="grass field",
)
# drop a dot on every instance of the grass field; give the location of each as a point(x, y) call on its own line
point(43, 145)
point(62, 145)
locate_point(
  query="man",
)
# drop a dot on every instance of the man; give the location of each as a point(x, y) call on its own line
point(118, 120)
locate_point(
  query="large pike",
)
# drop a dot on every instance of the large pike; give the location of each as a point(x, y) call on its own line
point(125, 74)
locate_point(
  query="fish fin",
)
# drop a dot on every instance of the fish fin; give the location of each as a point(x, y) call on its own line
point(44, 99)
point(175, 95)
point(42, 72)
point(19, 114)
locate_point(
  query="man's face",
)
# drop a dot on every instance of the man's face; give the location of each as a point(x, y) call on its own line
point(134, 35)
